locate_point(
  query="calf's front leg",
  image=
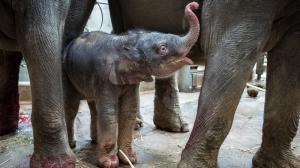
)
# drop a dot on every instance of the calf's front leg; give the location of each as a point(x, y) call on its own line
point(106, 106)
point(128, 109)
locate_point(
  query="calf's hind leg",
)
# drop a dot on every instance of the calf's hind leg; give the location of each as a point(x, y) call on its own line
point(167, 113)
point(282, 105)
point(93, 126)
point(71, 105)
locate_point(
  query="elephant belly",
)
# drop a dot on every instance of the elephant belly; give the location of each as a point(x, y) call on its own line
point(8, 44)
point(287, 21)
point(164, 16)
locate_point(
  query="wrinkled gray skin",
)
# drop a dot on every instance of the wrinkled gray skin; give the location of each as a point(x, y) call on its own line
point(168, 17)
point(233, 34)
point(38, 30)
point(106, 70)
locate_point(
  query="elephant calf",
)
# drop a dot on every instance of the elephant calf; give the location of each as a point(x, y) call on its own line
point(106, 70)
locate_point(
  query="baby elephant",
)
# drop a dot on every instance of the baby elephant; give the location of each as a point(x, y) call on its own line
point(106, 70)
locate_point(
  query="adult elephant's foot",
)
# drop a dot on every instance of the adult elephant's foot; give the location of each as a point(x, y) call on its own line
point(264, 160)
point(192, 159)
point(111, 161)
point(167, 113)
point(171, 121)
point(58, 161)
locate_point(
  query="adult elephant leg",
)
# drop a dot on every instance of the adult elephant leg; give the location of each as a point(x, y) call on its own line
point(9, 95)
point(77, 18)
point(167, 113)
point(39, 33)
point(282, 105)
point(231, 55)
point(220, 95)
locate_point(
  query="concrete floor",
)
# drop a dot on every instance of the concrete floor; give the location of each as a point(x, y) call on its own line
point(154, 148)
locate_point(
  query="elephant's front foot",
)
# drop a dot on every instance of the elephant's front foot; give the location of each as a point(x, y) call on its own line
point(271, 160)
point(197, 163)
point(59, 161)
point(110, 161)
point(130, 154)
point(170, 120)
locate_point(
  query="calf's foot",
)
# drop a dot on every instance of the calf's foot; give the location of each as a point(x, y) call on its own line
point(269, 160)
point(129, 153)
point(108, 161)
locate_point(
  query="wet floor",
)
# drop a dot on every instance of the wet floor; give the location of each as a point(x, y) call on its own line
point(154, 148)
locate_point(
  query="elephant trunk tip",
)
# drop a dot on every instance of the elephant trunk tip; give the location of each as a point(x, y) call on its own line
point(194, 30)
point(191, 6)
point(190, 15)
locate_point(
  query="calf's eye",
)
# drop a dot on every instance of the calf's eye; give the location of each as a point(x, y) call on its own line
point(163, 50)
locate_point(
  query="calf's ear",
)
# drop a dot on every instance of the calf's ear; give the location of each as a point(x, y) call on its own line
point(131, 52)
point(122, 75)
